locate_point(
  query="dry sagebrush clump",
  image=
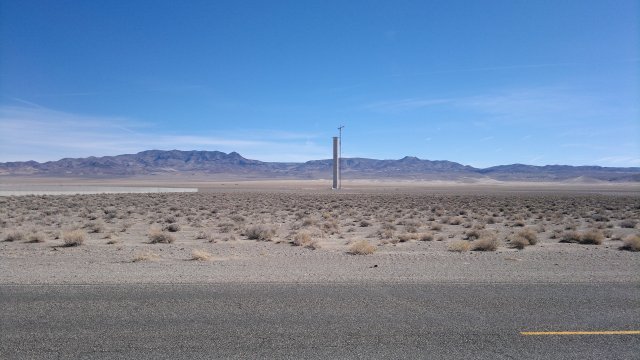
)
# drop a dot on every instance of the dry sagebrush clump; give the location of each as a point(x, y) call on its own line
point(628, 223)
point(173, 227)
point(408, 237)
point(592, 237)
point(487, 242)
point(95, 227)
point(459, 246)
point(362, 247)
point(472, 234)
point(524, 238)
point(426, 236)
point(74, 237)
point(306, 240)
point(160, 237)
point(260, 232)
point(631, 243)
point(365, 223)
point(570, 237)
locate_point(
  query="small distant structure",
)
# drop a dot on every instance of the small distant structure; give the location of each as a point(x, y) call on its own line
point(337, 156)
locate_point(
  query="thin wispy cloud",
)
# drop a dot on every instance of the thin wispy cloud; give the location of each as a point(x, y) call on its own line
point(539, 104)
point(177, 88)
point(25, 102)
point(480, 69)
point(68, 94)
point(542, 104)
point(30, 133)
point(491, 68)
point(134, 89)
point(589, 146)
point(404, 104)
point(273, 134)
point(519, 67)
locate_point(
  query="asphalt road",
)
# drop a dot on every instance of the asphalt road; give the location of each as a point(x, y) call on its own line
point(365, 321)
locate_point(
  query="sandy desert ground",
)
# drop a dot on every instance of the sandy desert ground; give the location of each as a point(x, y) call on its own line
point(301, 231)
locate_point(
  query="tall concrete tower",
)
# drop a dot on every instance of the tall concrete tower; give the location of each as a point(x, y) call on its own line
point(336, 163)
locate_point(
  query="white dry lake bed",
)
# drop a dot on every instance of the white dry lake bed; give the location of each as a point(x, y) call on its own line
point(16, 189)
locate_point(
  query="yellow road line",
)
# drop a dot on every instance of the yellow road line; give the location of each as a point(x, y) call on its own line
point(538, 333)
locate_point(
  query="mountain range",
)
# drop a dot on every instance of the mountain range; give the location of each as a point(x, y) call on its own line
point(233, 165)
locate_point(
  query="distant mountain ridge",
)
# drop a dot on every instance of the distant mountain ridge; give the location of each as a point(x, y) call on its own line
point(159, 162)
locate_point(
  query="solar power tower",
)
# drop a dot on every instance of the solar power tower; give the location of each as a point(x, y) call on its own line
point(337, 155)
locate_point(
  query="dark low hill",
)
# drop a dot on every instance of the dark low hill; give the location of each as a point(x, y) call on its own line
point(234, 165)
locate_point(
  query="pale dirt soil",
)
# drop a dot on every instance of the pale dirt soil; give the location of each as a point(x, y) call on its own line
point(412, 228)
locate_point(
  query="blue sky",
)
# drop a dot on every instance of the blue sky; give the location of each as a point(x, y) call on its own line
point(477, 82)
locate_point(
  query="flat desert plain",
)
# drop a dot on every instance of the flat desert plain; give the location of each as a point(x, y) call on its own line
point(302, 231)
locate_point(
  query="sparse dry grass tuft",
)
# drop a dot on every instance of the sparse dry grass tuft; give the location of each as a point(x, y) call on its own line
point(226, 227)
point(362, 247)
point(160, 237)
point(237, 218)
point(631, 243)
point(200, 255)
point(459, 246)
point(331, 227)
point(427, 236)
point(145, 256)
point(95, 227)
point(308, 222)
point(36, 237)
point(304, 239)
point(365, 223)
point(385, 233)
point(204, 235)
point(472, 234)
point(407, 237)
point(14, 236)
point(74, 237)
point(570, 237)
